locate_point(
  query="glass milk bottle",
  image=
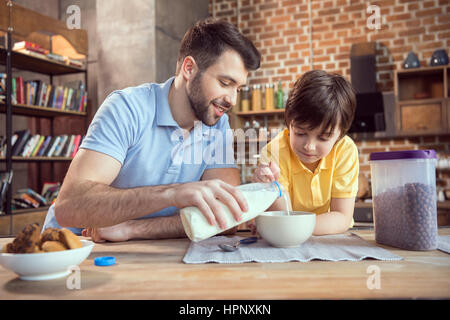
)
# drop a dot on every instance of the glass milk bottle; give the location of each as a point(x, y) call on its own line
point(259, 196)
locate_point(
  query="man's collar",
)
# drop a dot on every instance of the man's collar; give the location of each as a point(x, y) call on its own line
point(163, 113)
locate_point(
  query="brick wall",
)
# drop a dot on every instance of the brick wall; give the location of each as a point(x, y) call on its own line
point(280, 30)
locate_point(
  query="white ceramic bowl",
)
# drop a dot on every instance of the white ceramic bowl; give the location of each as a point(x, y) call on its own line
point(283, 231)
point(47, 265)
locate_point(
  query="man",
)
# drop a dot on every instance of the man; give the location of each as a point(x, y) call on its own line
point(131, 164)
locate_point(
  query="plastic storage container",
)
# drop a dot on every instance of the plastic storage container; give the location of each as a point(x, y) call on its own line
point(404, 198)
point(259, 196)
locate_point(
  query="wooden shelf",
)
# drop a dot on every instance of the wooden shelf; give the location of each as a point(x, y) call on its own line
point(37, 159)
point(39, 111)
point(420, 101)
point(30, 210)
point(259, 113)
point(424, 70)
point(18, 23)
point(37, 64)
point(426, 115)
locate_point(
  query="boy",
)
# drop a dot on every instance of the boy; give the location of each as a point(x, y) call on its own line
point(313, 158)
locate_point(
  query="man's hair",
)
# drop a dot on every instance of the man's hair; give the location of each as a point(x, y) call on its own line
point(209, 38)
point(320, 99)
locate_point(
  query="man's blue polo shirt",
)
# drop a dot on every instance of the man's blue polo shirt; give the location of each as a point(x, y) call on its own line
point(135, 126)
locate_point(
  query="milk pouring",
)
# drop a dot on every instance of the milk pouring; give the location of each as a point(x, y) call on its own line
point(259, 196)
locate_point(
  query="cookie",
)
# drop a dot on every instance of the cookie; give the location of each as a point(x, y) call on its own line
point(50, 234)
point(51, 246)
point(69, 239)
point(8, 248)
point(37, 249)
point(27, 239)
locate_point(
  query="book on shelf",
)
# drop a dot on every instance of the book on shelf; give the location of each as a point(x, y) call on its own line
point(26, 152)
point(34, 195)
point(64, 99)
point(30, 46)
point(48, 147)
point(28, 198)
point(20, 90)
point(2, 87)
point(56, 57)
point(25, 144)
point(50, 191)
point(71, 96)
point(13, 91)
point(35, 50)
point(67, 146)
point(22, 138)
point(76, 145)
point(44, 146)
point(60, 145)
point(5, 183)
point(3, 144)
point(52, 148)
point(37, 146)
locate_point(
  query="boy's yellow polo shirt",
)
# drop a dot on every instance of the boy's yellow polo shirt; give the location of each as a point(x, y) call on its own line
point(336, 176)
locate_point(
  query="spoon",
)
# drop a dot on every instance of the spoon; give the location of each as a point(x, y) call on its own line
point(231, 248)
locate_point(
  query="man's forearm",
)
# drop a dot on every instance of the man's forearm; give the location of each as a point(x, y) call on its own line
point(94, 205)
point(156, 228)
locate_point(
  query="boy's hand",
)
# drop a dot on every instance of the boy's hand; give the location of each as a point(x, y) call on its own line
point(266, 172)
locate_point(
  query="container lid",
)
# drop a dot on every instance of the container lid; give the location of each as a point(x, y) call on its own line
point(104, 261)
point(407, 154)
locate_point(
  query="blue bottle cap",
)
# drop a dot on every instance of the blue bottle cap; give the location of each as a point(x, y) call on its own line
point(279, 189)
point(104, 261)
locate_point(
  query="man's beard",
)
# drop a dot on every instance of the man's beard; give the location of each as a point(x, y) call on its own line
point(200, 105)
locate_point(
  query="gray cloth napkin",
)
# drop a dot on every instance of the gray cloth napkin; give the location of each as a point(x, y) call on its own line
point(444, 243)
point(330, 248)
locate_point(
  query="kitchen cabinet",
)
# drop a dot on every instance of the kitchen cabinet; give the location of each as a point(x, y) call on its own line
point(422, 97)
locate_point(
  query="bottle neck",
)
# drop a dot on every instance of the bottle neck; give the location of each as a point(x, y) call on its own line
point(279, 188)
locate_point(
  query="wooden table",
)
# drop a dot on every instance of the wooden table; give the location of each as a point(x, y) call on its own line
point(154, 270)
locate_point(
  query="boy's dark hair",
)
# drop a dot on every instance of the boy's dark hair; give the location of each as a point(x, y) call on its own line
point(209, 38)
point(321, 99)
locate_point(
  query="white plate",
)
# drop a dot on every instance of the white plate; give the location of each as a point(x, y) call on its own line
point(47, 265)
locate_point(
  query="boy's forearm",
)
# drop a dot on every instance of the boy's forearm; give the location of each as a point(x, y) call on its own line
point(331, 223)
point(95, 205)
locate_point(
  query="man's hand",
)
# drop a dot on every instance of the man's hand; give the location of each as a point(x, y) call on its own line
point(117, 233)
point(207, 196)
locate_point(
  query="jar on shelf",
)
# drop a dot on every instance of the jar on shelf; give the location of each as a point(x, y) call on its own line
point(256, 97)
point(245, 99)
point(280, 96)
point(269, 97)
